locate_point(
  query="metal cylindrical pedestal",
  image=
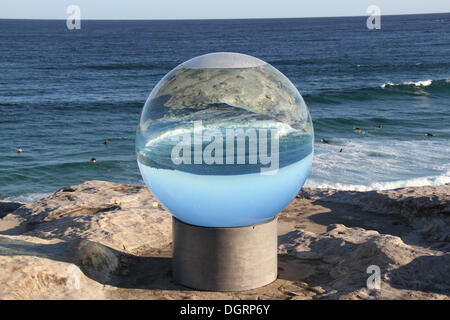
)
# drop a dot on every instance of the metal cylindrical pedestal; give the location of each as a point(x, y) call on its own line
point(224, 259)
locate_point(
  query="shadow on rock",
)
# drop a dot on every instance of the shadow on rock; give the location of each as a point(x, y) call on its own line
point(338, 259)
point(417, 219)
point(101, 263)
point(354, 217)
point(425, 273)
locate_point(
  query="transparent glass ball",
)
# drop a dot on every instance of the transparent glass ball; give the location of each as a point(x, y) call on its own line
point(224, 140)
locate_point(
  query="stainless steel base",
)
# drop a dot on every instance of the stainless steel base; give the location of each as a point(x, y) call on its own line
point(224, 259)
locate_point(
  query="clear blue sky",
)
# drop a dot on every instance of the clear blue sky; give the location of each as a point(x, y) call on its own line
point(212, 9)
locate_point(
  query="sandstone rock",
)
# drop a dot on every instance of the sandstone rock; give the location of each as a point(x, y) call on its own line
point(103, 240)
point(340, 259)
point(120, 216)
point(8, 206)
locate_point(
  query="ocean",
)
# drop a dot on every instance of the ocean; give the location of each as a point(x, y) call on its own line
point(63, 92)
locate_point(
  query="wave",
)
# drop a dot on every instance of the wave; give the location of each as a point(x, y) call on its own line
point(339, 96)
point(28, 197)
point(424, 83)
point(175, 134)
point(386, 185)
point(439, 83)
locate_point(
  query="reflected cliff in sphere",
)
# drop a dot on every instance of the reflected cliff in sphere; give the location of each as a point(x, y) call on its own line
point(224, 140)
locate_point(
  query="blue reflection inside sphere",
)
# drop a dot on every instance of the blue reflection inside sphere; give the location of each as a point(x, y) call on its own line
point(224, 140)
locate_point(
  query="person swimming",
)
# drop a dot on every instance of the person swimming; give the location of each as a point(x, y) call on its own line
point(324, 141)
point(358, 130)
point(429, 134)
point(93, 160)
point(380, 126)
point(19, 150)
point(106, 141)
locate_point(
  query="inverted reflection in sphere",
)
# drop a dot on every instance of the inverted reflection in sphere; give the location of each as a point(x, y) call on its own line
point(224, 140)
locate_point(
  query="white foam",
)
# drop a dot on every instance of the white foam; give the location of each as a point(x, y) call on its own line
point(387, 185)
point(28, 197)
point(423, 83)
point(283, 130)
point(369, 164)
point(387, 84)
point(224, 60)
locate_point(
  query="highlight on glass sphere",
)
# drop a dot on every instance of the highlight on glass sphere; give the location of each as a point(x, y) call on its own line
point(224, 140)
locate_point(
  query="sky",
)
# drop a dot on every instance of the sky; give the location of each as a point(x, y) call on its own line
point(211, 9)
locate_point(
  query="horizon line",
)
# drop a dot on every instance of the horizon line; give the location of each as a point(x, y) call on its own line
point(196, 19)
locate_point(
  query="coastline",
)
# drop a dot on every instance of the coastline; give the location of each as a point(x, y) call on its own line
point(419, 182)
point(117, 239)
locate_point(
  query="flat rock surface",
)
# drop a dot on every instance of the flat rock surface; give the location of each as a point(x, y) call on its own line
point(103, 240)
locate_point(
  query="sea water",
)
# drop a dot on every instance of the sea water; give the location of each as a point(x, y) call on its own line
point(58, 103)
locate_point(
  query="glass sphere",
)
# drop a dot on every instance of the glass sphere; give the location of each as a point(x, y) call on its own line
point(224, 140)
